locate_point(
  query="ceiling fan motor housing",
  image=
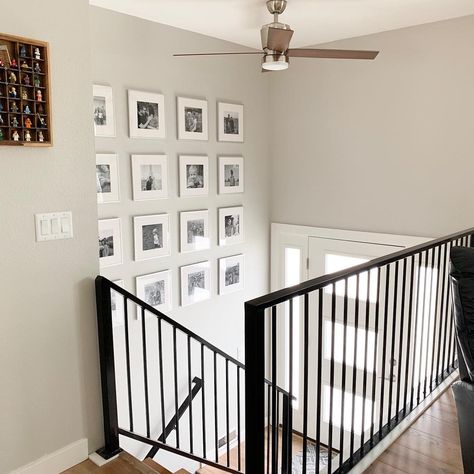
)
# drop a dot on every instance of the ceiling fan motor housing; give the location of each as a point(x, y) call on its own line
point(276, 6)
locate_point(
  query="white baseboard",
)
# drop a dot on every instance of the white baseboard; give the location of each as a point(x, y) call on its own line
point(58, 461)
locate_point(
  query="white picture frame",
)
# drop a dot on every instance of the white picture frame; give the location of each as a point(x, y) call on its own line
point(151, 236)
point(231, 274)
point(194, 231)
point(155, 290)
point(193, 176)
point(149, 177)
point(103, 113)
point(193, 121)
point(146, 113)
point(107, 178)
point(231, 174)
point(110, 242)
point(117, 305)
point(230, 122)
point(195, 283)
point(231, 225)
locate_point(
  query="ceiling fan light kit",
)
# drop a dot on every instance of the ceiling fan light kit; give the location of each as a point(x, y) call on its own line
point(276, 39)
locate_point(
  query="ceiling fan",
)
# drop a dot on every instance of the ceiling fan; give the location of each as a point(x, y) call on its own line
point(276, 38)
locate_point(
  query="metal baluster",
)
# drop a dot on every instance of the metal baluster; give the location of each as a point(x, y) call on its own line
point(400, 339)
point(127, 357)
point(451, 325)
point(409, 329)
point(428, 336)
point(190, 409)
point(227, 411)
point(305, 379)
point(269, 389)
point(436, 317)
point(216, 421)
point(354, 367)
point(364, 376)
point(319, 377)
point(331, 376)
point(445, 312)
point(274, 391)
point(160, 365)
point(145, 376)
point(441, 318)
point(416, 349)
point(343, 374)
point(384, 348)
point(203, 401)
point(175, 364)
point(422, 339)
point(392, 355)
point(290, 398)
point(239, 454)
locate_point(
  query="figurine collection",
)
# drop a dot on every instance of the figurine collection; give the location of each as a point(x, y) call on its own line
point(24, 98)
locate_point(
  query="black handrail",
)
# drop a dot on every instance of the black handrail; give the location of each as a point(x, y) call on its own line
point(173, 422)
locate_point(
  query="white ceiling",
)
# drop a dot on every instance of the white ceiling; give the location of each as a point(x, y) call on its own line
point(314, 21)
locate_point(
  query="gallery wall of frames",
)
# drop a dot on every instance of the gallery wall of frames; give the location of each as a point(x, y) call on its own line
point(190, 230)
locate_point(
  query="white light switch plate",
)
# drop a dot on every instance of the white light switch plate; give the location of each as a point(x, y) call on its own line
point(53, 226)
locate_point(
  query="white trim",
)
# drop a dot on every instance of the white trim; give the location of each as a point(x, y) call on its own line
point(98, 460)
point(59, 461)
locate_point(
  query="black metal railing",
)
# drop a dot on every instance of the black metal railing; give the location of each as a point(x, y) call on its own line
point(356, 350)
point(149, 363)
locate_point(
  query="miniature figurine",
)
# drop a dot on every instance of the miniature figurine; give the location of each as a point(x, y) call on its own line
point(12, 92)
point(2, 64)
point(28, 122)
point(16, 136)
point(37, 68)
point(40, 136)
point(27, 110)
point(37, 82)
point(14, 122)
point(14, 108)
point(39, 95)
point(41, 122)
point(37, 53)
point(12, 77)
point(13, 64)
point(23, 51)
point(26, 79)
point(27, 136)
point(24, 65)
point(24, 94)
point(1, 134)
point(40, 109)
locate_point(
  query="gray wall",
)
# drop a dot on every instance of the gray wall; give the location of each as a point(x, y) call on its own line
point(48, 357)
point(378, 146)
point(130, 53)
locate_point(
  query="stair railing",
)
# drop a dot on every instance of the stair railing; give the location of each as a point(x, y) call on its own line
point(360, 349)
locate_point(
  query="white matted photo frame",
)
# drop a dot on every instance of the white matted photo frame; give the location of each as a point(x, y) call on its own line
point(155, 290)
point(149, 177)
point(110, 242)
point(146, 112)
point(194, 231)
point(107, 177)
point(231, 174)
point(193, 176)
point(192, 119)
point(231, 274)
point(195, 283)
point(103, 111)
point(230, 122)
point(152, 239)
point(117, 304)
point(231, 225)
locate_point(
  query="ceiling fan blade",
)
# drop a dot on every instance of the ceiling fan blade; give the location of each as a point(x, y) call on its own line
point(279, 39)
point(332, 53)
point(217, 54)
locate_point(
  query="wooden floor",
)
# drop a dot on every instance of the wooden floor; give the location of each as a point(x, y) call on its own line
point(430, 445)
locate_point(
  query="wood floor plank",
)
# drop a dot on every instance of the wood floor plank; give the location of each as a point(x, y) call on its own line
point(380, 467)
point(446, 431)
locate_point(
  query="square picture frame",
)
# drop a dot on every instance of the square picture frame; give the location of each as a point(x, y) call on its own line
point(193, 122)
point(117, 305)
point(194, 230)
point(103, 111)
point(193, 176)
point(151, 236)
point(110, 242)
point(195, 283)
point(107, 177)
point(230, 122)
point(155, 289)
point(231, 174)
point(231, 225)
point(231, 274)
point(146, 113)
point(149, 177)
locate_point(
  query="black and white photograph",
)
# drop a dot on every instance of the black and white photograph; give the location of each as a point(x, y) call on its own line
point(192, 119)
point(107, 178)
point(110, 242)
point(103, 111)
point(193, 175)
point(230, 122)
point(117, 304)
point(155, 290)
point(231, 274)
point(151, 236)
point(231, 175)
point(150, 177)
point(194, 231)
point(231, 229)
point(146, 114)
point(195, 283)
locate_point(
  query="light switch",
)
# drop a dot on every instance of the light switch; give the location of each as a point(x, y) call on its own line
point(45, 227)
point(65, 225)
point(53, 226)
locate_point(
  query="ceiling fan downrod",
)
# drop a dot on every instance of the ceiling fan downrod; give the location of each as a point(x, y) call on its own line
point(276, 7)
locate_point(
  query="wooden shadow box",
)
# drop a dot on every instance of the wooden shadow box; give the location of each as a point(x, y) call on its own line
point(25, 95)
